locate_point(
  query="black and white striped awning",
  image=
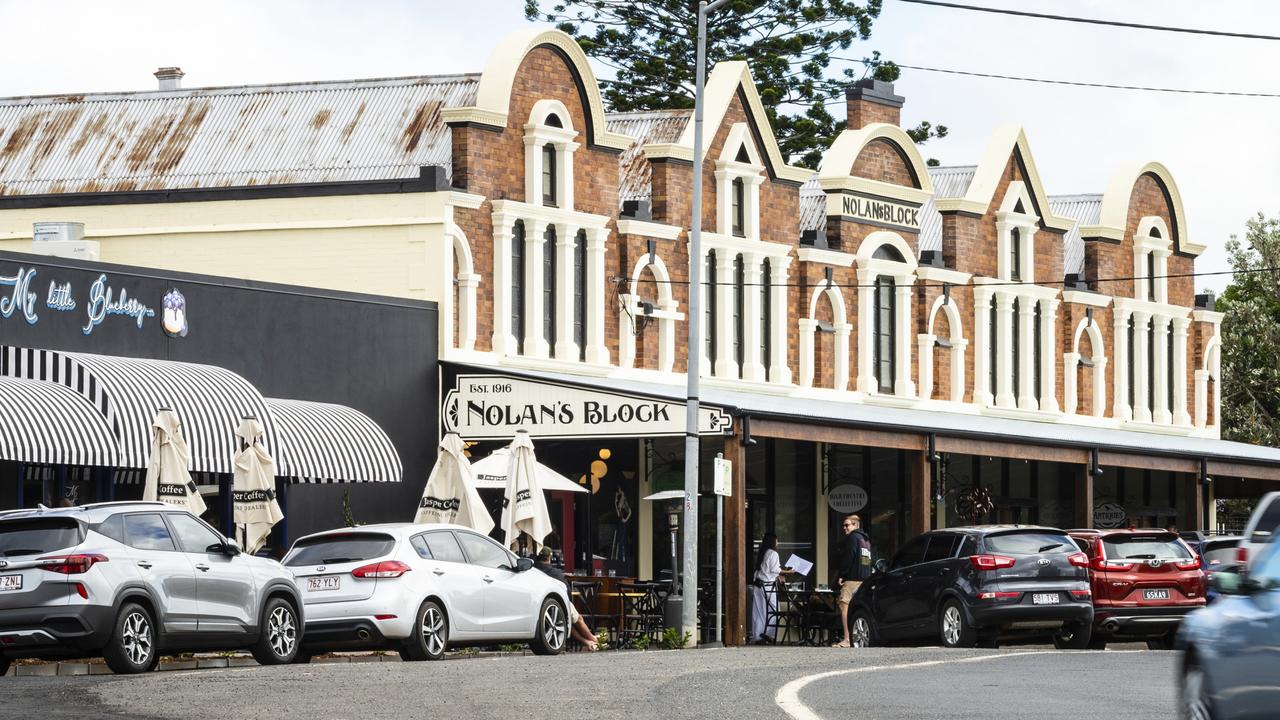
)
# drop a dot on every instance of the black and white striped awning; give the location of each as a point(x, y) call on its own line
point(128, 392)
point(332, 443)
point(43, 422)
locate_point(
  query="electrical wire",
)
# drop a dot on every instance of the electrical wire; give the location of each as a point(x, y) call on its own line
point(1095, 21)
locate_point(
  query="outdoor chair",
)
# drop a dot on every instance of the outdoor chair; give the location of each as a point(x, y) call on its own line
point(590, 604)
point(787, 615)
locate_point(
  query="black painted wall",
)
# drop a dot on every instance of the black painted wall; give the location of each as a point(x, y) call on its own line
point(375, 354)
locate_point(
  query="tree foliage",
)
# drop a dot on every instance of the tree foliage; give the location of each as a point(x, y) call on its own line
point(1251, 336)
point(790, 44)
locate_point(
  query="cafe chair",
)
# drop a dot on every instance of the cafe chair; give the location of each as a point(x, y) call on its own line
point(587, 598)
point(787, 615)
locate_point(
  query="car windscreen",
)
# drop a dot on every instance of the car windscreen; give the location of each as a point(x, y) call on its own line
point(1161, 546)
point(1218, 553)
point(1030, 542)
point(344, 548)
point(38, 535)
point(1265, 528)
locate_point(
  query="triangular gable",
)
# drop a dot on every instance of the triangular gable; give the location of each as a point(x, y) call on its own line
point(1006, 142)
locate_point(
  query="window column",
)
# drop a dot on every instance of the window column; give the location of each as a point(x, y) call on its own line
point(535, 343)
point(566, 346)
point(982, 337)
point(1162, 272)
point(1120, 350)
point(1026, 355)
point(1141, 356)
point(1180, 415)
point(1004, 344)
point(726, 363)
point(597, 352)
point(1161, 361)
point(903, 385)
point(1048, 353)
point(779, 367)
point(753, 366)
point(866, 382)
point(503, 341)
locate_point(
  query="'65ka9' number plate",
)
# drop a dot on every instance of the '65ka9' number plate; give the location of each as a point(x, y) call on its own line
point(316, 584)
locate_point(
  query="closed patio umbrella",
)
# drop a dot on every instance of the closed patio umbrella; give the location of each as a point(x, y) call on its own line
point(168, 479)
point(253, 488)
point(524, 509)
point(450, 495)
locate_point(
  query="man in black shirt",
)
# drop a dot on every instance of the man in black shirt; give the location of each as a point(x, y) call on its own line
point(855, 566)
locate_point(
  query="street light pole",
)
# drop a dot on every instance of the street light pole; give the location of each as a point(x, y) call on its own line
point(689, 576)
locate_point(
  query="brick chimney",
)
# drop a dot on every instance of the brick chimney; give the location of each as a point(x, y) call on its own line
point(170, 78)
point(873, 101)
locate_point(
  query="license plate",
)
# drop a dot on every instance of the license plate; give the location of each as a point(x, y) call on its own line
point(1044, 598)
point(317, 584)
point(10, 582)
point(1155, 594)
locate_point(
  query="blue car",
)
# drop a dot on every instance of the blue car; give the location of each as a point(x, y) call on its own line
point(1231, 659)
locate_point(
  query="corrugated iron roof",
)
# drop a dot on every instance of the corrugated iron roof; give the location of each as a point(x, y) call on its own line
point(813, 206)
point(948, 182)
point(231, 136)
point(651, 126)
point(1085, 210)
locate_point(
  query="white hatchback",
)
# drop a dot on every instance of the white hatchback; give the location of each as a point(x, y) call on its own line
point(421, 588)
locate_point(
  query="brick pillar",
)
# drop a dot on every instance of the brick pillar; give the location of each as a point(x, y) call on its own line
point(735, 543)
point(872, 101)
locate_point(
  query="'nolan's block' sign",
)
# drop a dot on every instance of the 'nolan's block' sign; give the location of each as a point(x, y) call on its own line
point(875, 210)
point(493, 407)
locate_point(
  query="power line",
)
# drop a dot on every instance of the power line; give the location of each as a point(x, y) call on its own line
point(1095, 21)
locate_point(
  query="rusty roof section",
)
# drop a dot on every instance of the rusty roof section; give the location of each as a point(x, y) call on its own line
point(229, 136)
point(649, 126)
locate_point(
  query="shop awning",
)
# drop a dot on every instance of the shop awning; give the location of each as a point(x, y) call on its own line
point(127, 392)
point(329, 443)
point(44, 422)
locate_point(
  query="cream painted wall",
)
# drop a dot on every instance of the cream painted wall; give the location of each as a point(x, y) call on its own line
point(380, 244)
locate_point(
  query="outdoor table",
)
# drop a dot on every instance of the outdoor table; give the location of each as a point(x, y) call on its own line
point(822, 602)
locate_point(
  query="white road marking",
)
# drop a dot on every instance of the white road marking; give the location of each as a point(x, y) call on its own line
point(788, 696)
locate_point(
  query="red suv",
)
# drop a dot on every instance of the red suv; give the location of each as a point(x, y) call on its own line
point(1143, 582)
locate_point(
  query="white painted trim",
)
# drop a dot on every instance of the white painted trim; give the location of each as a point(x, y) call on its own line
point(1083, 297)
point(658, 231)
point(1114, 214)
point(837, 162)
point(929, 273)
point(824, 257)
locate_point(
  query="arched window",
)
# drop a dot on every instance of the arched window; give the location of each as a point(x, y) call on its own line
point(580, 293)
point(739, 205)
point(1016, 341)
point(710, 327)
point(517, 285)
point(1015, 254)
point(549, 174)
point(739, 312)
point(1036, 352)
point(549, 286)
point(766, 313)
point(884, 346)
point(1132, 345)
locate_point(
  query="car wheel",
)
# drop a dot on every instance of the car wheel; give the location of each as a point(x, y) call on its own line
point(1073, 636)
point(553, 629)
point(1097, 643)
point(430, 634)
point(302, 657)
point(1195, 701)
point(953, 629)
point(862, 633)
point(277, 635)
point(132, 647)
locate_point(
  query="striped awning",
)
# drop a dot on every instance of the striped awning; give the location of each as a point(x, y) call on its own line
point(44, 422)
point(128, 392)
point(332, 443)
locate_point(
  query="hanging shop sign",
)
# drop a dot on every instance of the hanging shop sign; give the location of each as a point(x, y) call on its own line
point(846, 498)
point(25, 296)
point(494, 407)
point(1109, 515)
point(875, 210)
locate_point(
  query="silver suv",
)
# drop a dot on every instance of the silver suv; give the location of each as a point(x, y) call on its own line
point(130, 580)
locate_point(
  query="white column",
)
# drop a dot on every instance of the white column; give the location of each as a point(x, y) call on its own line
point(983, 393)
point(1120, 352)
point(1070, 368)
point(1004, 356)
point(753, 366)
point(666, 343)
point(1026, 354)
point(726, 363)
point(866, 382)
point(535, 343)
point(1162, 271)
point(626, 333)
point(958, 347)
point(468, 283)
point(503, 341)
point(925, 343)
point(566, 348)
point(903, 385)
point(1179, 360)
point(597, 299)
point(1099, 386)
point(1141, 356)
point(779, 367)
point(1161, 359)
point(532, 170)
point(1202, 401)
point(808, 328)
point(842, 354)
point(564, 173)
point(1049, 354)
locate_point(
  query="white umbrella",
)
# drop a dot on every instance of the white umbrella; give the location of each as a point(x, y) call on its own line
point(253, 487)
point(524, 509)
point(168, 479)
point(491, 472)
point(450, 495)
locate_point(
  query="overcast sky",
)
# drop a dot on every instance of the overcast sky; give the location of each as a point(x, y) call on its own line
point(1223, 151)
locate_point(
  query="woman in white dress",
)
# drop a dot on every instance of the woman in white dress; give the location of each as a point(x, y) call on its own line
point(764, 598)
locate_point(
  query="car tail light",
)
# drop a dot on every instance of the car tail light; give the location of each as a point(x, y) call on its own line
point(384, 569)
point(384, 617)
point(991, 562)
point(70, 564)
point(1081, 594)
point(1117, 565)
point(1078, 559)
point(1002, 595)
point(1242, 555)
point(1192, 564)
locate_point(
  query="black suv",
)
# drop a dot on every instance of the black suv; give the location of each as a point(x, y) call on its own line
point(966, 585)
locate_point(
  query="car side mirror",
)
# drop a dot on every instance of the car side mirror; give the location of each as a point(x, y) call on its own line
point(1230, 583)
point(880, 565)
point(523, 564)
point(230, 548)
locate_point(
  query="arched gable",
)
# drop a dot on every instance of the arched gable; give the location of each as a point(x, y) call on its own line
point(866, 251)
point(834, 173)
point(493, 95)
point(1116, 201)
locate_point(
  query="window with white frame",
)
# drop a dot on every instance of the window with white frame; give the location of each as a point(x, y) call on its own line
point(517, 284)
point(885, 345)
point(549, 148)
point(580, 294)
point(549, 278)
point(1152, 387)
point(886, 276)
point(739, 174)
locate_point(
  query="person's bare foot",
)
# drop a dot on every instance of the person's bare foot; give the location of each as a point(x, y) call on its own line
point(841, 644)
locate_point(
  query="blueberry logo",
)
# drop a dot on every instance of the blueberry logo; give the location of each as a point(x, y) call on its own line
point(175, 313)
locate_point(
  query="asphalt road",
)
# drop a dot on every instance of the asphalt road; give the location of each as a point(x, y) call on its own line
point(739, 683)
